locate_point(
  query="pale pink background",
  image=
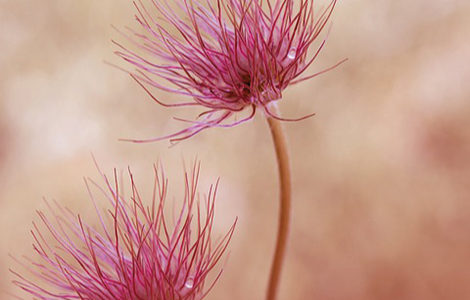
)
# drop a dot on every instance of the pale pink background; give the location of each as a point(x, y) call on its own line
point(381, 173)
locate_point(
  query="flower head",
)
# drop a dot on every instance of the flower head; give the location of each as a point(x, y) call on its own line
point(136, 254)
point(227, 55)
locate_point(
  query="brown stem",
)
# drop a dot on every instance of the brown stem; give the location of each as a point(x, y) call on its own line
point(285, 185)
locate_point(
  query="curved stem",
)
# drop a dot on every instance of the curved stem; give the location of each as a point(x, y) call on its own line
point(285, 185)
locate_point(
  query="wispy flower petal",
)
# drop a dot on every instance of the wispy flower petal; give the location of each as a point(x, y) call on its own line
point(136, 253)
point(227, 55)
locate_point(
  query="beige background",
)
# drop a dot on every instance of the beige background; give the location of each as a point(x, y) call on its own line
point(381, 173)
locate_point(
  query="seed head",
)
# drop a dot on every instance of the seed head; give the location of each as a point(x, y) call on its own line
point(135, 254)
point(227, 55)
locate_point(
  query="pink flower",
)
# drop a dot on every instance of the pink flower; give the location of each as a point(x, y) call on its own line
point(137, 255)
point(228, 55)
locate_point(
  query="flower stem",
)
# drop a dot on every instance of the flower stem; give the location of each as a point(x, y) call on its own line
point(285, 187)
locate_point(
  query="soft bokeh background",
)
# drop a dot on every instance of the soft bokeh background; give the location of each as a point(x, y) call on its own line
point(381, 173)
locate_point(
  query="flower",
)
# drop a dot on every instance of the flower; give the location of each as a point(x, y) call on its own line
point(135, 256)
point(228, 55)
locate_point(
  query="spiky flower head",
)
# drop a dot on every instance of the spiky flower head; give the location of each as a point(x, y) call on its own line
point(135, 254)
point(228, 55)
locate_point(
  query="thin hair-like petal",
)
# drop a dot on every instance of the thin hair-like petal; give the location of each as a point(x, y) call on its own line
point(224, 54)
point(135, 254)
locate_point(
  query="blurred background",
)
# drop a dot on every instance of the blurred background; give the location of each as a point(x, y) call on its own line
point(381, 173)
